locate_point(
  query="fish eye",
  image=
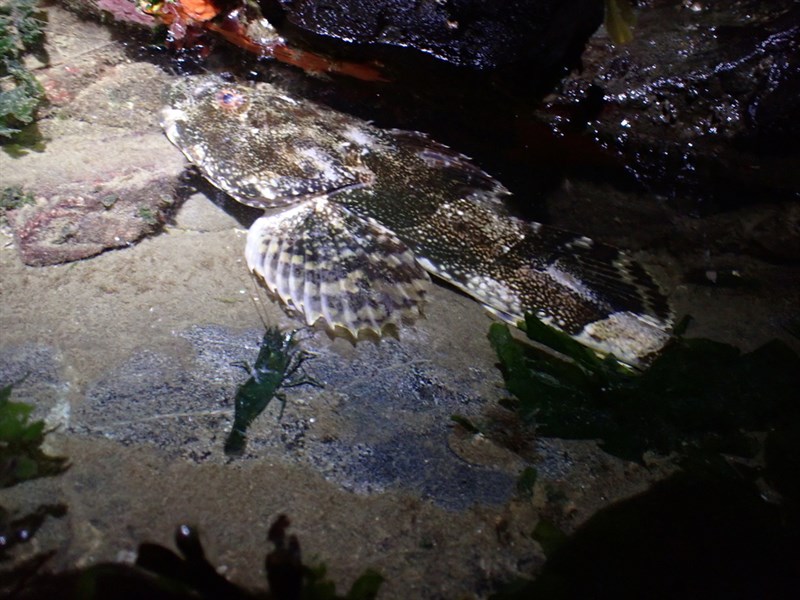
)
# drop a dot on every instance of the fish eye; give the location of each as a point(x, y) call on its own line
point(230, 99)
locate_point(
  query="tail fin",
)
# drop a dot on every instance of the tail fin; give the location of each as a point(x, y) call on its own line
point(595, 292)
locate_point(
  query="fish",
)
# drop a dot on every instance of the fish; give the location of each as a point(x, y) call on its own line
point(357, 218)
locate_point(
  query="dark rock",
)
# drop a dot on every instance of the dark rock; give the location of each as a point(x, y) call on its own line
point(472, 85)
point(479, 34)
point(704, 98)
point(692, 535)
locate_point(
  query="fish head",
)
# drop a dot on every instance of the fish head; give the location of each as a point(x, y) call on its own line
point(257, 144)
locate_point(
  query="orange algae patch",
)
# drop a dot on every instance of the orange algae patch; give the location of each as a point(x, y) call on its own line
point(199, 10)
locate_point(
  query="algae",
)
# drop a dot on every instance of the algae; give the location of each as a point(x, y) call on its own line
point(21, 456)
point(12, 198)
point(22, 459)
point(697, 395)
point(693, 535)
point(22, 25)
point(619, 21)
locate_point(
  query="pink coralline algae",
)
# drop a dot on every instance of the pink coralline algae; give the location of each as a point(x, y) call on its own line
point(125, 10)
point(72, 223)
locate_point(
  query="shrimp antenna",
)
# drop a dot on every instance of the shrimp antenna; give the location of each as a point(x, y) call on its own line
point(257, 301)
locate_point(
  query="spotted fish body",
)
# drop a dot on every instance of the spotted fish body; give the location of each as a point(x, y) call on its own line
point(365, 214)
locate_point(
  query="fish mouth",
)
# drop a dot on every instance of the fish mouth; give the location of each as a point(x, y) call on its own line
point(169, 118)
point(182, 94)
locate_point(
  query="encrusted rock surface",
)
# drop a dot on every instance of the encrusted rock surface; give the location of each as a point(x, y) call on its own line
point(74, 221)
point(106, 177)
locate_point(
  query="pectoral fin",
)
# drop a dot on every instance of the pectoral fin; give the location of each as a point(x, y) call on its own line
point(326, 263)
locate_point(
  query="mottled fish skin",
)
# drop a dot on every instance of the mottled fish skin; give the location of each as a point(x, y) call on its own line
point(370, 210)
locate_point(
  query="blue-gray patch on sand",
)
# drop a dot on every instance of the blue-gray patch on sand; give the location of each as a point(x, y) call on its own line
point(417, 463)
point(35, 372)
point(380, 423)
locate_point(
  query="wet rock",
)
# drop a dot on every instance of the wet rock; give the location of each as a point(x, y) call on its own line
point(769, 232)
point(467, 33)
point(108, 177)
point(152, 400)
point(703, 98)
point(71, 222)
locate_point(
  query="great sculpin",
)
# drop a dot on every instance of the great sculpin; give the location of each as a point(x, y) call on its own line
point(364, 214)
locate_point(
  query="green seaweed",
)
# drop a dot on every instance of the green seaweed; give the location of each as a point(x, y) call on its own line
point(22, 459)
point(278, 366)
point(21, 456)
point(619, 21)
point(21, 32)
point(706, 530)
point(23, 26)
point(146, 214)
point(698, 394)
point(13, 197)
